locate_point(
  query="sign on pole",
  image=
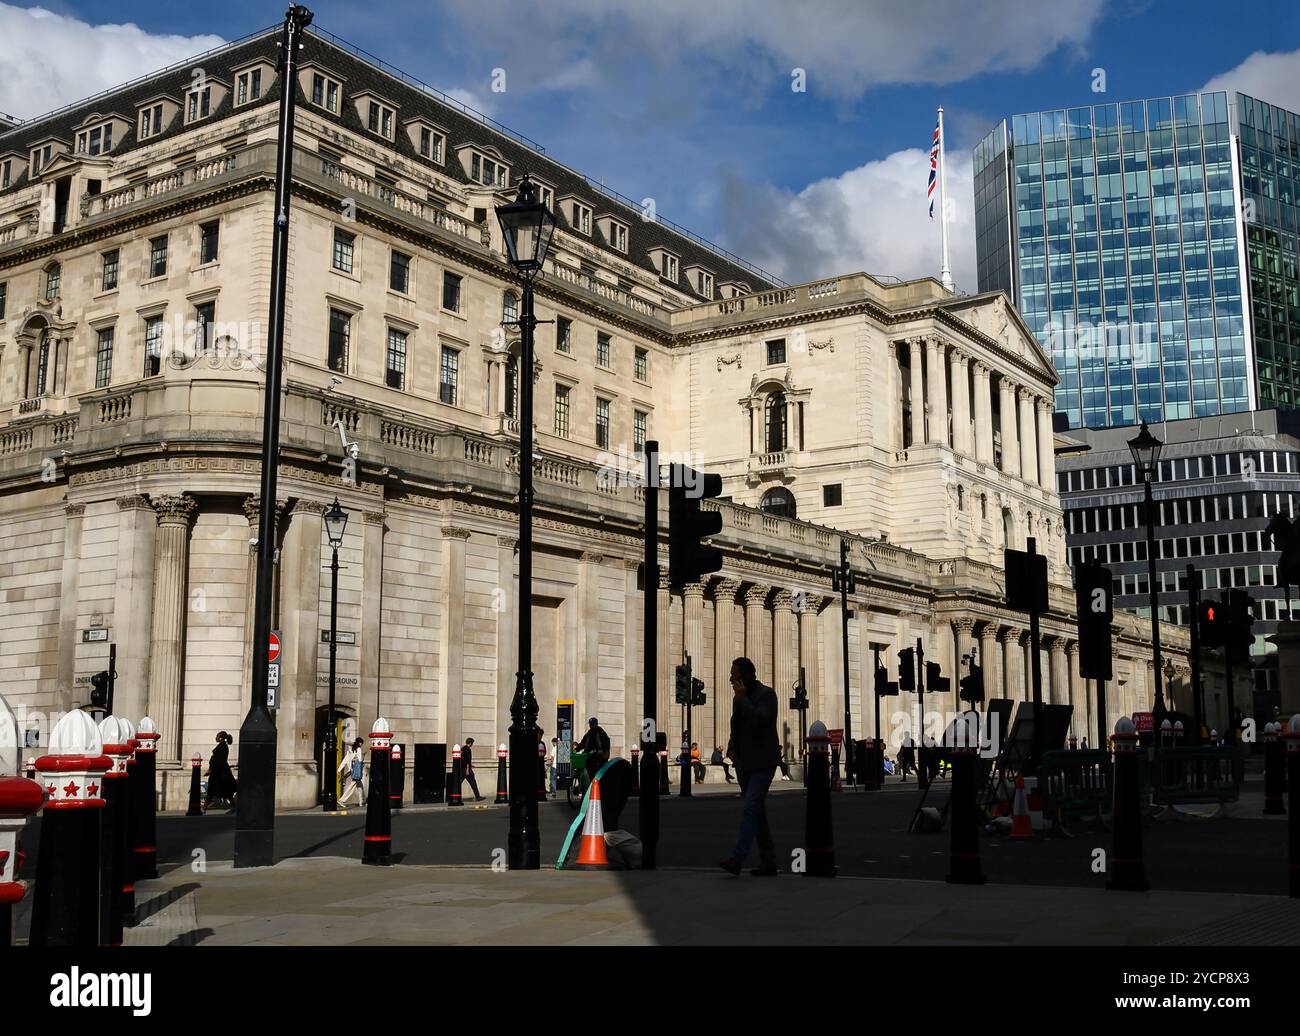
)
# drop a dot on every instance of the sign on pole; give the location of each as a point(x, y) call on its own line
point(273, 670)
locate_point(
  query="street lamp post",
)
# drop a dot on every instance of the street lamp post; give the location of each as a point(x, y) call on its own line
point(843, 583)
point(1145, 448)
point(255, 803)
point(527, 225)
point(336, 521)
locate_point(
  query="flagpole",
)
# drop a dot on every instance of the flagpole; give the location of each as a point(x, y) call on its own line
point(945, 269)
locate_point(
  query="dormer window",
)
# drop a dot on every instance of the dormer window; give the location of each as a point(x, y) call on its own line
point(325, 92)
point(95, 141)
point(431, 144)
point(545, 195)
point(379, 119)
point(705, 284)
point(615, 233)
point(487, 170)
point(40, 159)
point(248, 86)
point(198, 104)
point(580, 218)
point(151, 121)
point(733, 289)
point(4, 174)
point(668, 266)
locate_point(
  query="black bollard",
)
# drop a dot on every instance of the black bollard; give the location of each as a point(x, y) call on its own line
point(144, 804)
point(665, 786)
point(1274, 769)
point(1293, 793)
point(819, 837)
point(132, 822)
point(503, 790)
point(113, 829)
point(65, 905)
point(1126, 872)
point(396, 777)
point(379, 819)
point(457, 778)
point(196, 787)
point(964, 848)
point(20, 798)
point(636, 771)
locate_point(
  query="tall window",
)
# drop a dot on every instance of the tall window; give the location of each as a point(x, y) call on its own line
point(153, 339)
point(4, 297)
point(344, 246)
point(395, 365)
point(512, 385)
point(642, 368)
point(399, 272)
point(563, 334)
point(602, 349)
point(104, 358)
point(639, 420)
point(776, 351)
point(774, 415)
point(209, 238)
point(205, 317)
point(53, 278)
point(602, 423)
point(108, 271)
point(510, 308)
point(451, 291)
point(448, 375)
point(43, 363)
point(158, 257)
point(562, 411)
point(339, 340)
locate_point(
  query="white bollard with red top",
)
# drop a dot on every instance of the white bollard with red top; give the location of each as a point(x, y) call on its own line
point(20, 798)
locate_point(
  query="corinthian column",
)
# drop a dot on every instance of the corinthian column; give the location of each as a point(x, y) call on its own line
point(808, 639)
point(938, 380)
point(1010, 440)
point(961, 437)
point(983, 416)
point(917, 397)
point(755, 620)
point(785, 654)
point(1013, 663)
point(1046, 454)
point(167, 635)
point(991, 660)
point(1060, 690)
point(1028, 438)
point(724, 650)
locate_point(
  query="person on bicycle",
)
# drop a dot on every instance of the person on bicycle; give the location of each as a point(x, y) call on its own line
point(596, 744)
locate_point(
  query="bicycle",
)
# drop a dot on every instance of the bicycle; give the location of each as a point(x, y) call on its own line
point(579, 779)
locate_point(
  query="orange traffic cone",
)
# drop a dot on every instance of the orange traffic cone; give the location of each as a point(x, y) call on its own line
point(1021, 827)
point(591, 854)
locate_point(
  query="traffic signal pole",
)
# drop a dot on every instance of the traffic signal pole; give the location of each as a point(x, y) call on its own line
point(112, 675)
point(1194, 605)
point(842, 580)
point(649, 811)
point(1227, 673)
point(1036, 664)
point(922, 779)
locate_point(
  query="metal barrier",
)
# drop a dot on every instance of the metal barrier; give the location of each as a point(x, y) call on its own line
point(1075, 784)
point(1202, 773)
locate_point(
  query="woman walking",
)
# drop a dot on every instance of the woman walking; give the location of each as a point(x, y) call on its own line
point(221, 780)
point(353, 768)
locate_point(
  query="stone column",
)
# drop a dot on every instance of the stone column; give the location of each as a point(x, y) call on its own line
point(1013, 663)
point(137, 525)
point(991, 660)
point(983, 415)
point(451, 647)
point(937, 378)
point(945, 645)
point(301, 574)
point(1046, 452)
point(785, 656)
point(68, 603)
point(167, 633)
point(252, 511)
point(963, 641)
point(961, 429)
point(724, 651)
point(507, 632)
point(1010, 438)
point(633, 673)
point(372, 603)
point(588, 660)
point(693, 642)
point(1060, 689)
point(1081, 717)
point(755, 619)
point(914, 349)
point(808, 607)
point(1028, 437)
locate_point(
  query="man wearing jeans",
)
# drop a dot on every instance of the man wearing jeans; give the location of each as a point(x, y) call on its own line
point(756, 751)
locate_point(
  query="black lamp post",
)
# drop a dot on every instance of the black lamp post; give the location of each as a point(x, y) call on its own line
point(336, 520)
point(1146, 455)
point(527, 225)
point(844, 583)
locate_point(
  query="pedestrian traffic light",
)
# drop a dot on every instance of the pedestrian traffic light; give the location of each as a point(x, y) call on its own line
point(972, 685)
point(698, 697)
point(683, 683)
point(99, 690)
point(906, 670)
point(1240, 620)
point(799, 700)
point(935, 683)
point(688, 524)
point(1210, 624)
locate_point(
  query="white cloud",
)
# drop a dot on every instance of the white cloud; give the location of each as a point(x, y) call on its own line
point(49, 60)
point(1274, 78)
point(874, 218)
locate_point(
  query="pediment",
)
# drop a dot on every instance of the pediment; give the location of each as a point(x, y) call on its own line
point(993, 315)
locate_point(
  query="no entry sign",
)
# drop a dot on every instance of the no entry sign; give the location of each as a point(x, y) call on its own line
point(273, 648)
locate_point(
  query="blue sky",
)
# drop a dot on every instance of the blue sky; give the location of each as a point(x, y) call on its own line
point(691, 103)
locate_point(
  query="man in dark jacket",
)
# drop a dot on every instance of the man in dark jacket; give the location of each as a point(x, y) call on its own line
point(756, 751)
point(596, 744)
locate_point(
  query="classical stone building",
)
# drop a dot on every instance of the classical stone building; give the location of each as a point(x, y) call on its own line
point(135, 233)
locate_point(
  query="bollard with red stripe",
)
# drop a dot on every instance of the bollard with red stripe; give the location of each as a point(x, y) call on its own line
point(1293, 795)
point(20, 798)
point(396, 777)
point(453, 793)
point(379, 819)
point(116, 736)
point(196, 786)
point(636, 771)
point(1125, 865)
point(819, 836)
point(144, 803)
point(65, 904)
point(503, 793)
point(1274, 769)
point(964, 848)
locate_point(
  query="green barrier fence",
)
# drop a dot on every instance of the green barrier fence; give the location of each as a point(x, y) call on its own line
point(1202, 773)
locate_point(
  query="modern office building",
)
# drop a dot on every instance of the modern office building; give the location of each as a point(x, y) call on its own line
point(1151, 246)
point(1221, 480)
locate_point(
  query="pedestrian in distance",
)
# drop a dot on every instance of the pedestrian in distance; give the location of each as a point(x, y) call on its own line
point(757, 752)
point(467, 767)
point(696, 763)
point(221, 779)
point(554, 763)
point(718, 760)
point(353, 769)
point(906, 756)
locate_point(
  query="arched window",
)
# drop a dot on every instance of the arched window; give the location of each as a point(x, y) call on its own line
point(778, 501)
point(43, 363)
point(774, 420)
point(1009, 528)
point(510, 308)
point(53, 276)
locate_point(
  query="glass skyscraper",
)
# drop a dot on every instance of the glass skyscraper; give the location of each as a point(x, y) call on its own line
point(1123, 232)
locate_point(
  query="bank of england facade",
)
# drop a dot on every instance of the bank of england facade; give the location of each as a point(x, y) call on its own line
point(135, 235)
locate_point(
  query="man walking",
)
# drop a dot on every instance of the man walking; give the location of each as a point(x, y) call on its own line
point(467, 760)
point(756, 751)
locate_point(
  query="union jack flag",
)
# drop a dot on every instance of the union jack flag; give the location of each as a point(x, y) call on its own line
point(934, 169)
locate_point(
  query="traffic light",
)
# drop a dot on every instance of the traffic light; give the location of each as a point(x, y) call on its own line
point(799, 700)
point(1095, 604)
point(1210, 624)
point(698, 697)
point(1240, 621)
point(934, 682)
point(683, 683)
point(99, 690)
point(972, 685)
point(906, 670)
point(885, 687)
point(688, 524)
